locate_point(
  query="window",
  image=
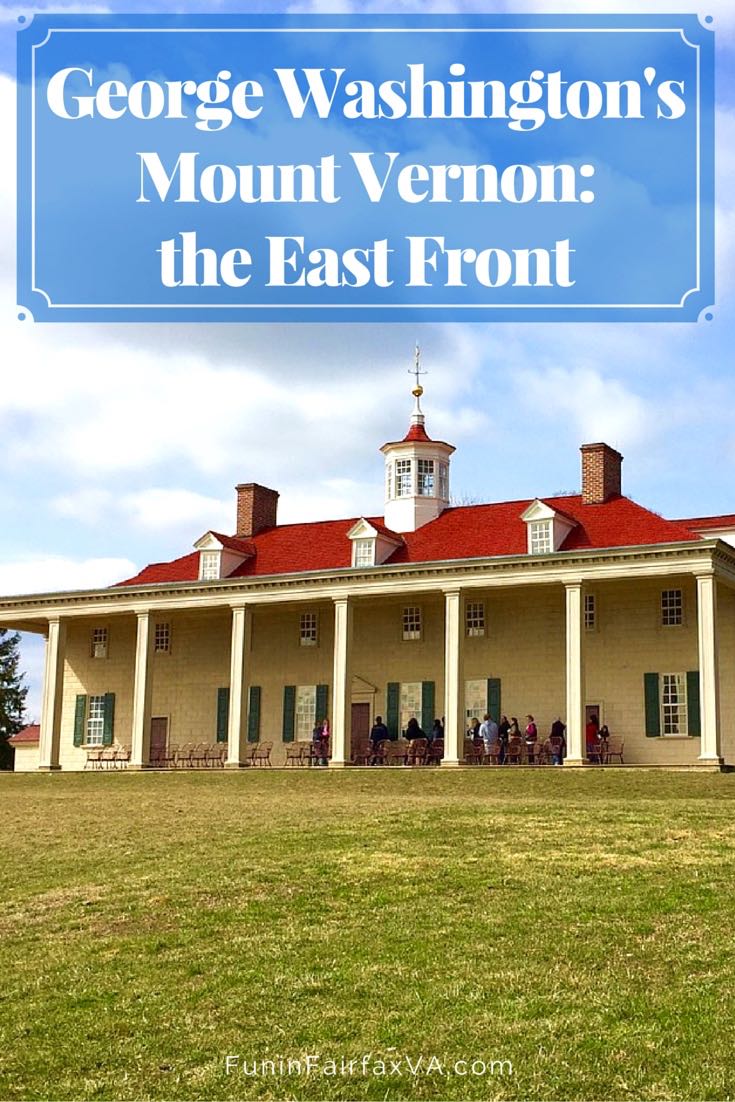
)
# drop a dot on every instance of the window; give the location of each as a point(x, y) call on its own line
point(404, 484)
point(410, 703)
point(96, 721)
point(674, 704)
point(162, 639)
point(363, 552)
point(305, 716)
point(425, 481)
point(388, 481)
point(99, 643)
point(309, 629)
point(590, 611)
point(475, 700)
point(209, 566)
point(412, 622)
point(475, 618)
point(540, 537)
point(443, 481)
point(672, 608)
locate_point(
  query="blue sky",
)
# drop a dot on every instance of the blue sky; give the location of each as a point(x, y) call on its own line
point(123, 442)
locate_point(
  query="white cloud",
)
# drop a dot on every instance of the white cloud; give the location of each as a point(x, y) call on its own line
point(35, 573)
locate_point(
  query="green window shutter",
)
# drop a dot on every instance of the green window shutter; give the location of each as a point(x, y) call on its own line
point(254, 714)
point(322, 698)
point(653, 713)
point(80, 715)
point(223, 713)
point(108, 722)
point(289, 712)
point(694, 722)
point(392, 699)
point(493, 697)
point(427, 705)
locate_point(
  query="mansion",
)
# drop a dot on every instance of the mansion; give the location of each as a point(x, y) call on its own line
point(558, 606)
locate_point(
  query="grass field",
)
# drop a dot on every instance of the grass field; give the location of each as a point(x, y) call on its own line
point(577, 924)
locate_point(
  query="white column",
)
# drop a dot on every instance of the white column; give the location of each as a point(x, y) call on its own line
point(453, 681)
point(242, 629)
point(53, 681)
point(709, 697)
point(142, 684)
point(342, 683)
point(576, 748)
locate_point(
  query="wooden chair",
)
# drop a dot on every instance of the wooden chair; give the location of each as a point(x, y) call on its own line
point(514, 752)
point(122, 756)
point(492, 754)
point(470, 752)
point(378, 752)
point(262, 754)
point(615, 750)
point(298, 753)
point(182, 756)
point(417, 749)
point(107, 758)
point(94, 754)
point(198, 756)
point(396, 752)
point(541, 756)
point(214, 755)
point(436, 752)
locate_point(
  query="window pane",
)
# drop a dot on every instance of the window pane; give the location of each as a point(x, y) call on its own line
point(308, 629)
point(475, 618)
point(364, 552)
point(163, 638)
point(410, 703)
point(412, 622)
point(210, 565)
point(590, 611)
point(99, 643)
point(404, 485)
point(672, 607)
point(96, 720)
point(674, 704)
point(305, 712)
point(425, 485)
point(540, 537)
point(475, 700)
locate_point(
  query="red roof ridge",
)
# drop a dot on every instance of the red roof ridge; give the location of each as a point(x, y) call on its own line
point(720, 520)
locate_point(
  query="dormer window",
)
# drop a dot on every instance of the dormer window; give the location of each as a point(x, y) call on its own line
point(363, 552)
point(209, 565)
point(547, 528)
point(540, 537)
point(371, 545)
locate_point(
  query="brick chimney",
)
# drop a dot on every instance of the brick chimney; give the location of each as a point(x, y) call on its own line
point(257, 507)
point(601, 479)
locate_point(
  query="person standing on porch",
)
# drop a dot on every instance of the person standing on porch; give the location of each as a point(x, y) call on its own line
point(489, 732)
point(557, 742)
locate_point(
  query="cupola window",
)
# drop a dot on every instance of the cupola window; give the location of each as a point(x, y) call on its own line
point(425, 482)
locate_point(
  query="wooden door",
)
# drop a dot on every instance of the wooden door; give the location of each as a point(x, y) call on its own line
point(360, 729)
point(159, 737)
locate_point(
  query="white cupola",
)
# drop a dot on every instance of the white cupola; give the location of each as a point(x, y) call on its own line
point(416, 471)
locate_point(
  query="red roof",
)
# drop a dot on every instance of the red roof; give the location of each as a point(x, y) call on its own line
point(461, 532)
point(29, 734)
point(695, 524)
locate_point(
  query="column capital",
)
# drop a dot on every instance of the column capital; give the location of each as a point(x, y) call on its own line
point(573, 583)
point(703, 573)
point(343, 599)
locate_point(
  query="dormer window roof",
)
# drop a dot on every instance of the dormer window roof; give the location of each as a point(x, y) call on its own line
point(220, 556)
point(547, 528)
point(372, 543)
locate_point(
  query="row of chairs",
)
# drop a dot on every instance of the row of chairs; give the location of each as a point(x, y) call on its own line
point(419, 751)
point(518, 752)
point(203, 755)
point(107, 757)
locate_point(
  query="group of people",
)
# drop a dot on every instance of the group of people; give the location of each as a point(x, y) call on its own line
point(594, 735)
point(494, 738)
point(320, 742)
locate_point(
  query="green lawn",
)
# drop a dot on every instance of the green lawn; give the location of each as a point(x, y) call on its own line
point(577, 924)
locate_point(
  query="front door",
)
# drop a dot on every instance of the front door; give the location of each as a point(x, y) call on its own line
point(159, 737)
point(360, 728)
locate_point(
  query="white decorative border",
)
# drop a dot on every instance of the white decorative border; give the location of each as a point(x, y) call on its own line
point(367, 305)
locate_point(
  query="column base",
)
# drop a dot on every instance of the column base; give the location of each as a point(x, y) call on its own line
point(49, 769)
point(237, 765)
point(710, 763)
point(339, 764)
point(451, 763)
point(576, 763)
point(138, 767)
